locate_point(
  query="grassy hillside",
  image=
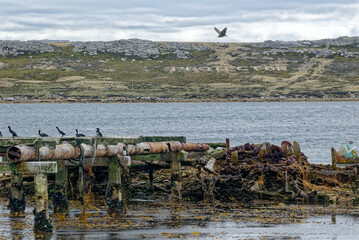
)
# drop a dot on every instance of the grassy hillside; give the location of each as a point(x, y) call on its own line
point(230, 72)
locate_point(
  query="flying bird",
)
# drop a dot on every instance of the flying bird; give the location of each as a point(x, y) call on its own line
point(79, 134)
point(221, 33)
point(41, 134)
point(98, 133)
point(13, 133)
point(61, 132)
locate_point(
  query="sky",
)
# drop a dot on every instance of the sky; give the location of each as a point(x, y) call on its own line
point(181, 20)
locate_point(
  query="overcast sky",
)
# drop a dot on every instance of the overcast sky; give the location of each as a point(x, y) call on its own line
point(182, 20)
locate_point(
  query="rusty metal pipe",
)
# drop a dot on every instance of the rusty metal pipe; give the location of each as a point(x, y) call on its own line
point(195, 147)
point(174, 146)
point(87, 150)
point(65, 151)
point(21, 153)
point(101, 150)
point(62, 152)
point(131, 150)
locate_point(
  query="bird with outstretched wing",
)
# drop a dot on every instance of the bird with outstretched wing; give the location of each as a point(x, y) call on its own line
point(221, 33)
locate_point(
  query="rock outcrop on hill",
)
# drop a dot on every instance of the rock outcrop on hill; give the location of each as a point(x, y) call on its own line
point(340, 41)
point(150, 50)
point(15, 47)
point(136, 47)
point(131, 47)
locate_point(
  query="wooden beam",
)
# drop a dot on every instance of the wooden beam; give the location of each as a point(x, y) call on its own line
point(17, 201)
point(39, 167)
point(42, 220)
point(176, 178)
point(114, 195)
point(59, 198)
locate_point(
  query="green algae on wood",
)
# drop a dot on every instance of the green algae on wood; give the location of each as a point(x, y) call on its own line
point(176, 178)
point(42, 220)
point(59, 198)
point(114, 195)
point(17, 201)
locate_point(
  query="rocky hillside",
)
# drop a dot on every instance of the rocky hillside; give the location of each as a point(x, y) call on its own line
point(142, 70)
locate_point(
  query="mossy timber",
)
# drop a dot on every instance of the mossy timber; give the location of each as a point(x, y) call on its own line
point(262, 172)
point(23, 155)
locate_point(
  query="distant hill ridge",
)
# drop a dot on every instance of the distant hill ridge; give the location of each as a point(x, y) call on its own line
point(142, 70)
point(150, 49)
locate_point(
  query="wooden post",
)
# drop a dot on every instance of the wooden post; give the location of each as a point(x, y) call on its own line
point(150, 174)
point(208, 189)
point(80, 185)
point(297, 152)
point(42, 221)
point(227, 143)
point(17, 200)
point(114, 197)
point(334, 158)
point(176, 179)
point(59, 198)
point(234, 157)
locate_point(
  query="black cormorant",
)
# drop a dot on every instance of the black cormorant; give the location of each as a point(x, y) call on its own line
point(42, 134)
point(13, 133)
point(79, 134)
point(98, 133)
point(0, 134)
point(221, 33)
point(61, 132)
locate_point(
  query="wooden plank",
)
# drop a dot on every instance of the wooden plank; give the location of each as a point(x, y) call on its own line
point(163, 138)
point(5, 167)
point(148, 157)
point(170, 156)
point(39, 167)
point(99, 162)
point(217, 145)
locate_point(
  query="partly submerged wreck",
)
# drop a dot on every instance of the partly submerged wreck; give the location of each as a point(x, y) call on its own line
point(347, 154)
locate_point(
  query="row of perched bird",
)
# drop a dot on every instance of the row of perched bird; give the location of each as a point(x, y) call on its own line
point(42, 134)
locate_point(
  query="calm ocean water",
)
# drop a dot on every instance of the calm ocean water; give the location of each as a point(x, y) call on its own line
point(315, 125)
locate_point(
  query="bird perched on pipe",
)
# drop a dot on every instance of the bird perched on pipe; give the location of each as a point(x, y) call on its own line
point(221, 33)
point(41, 134)
point(13, 133)
point(79, 134)
point(98, 133)
point(61, 132)
point(0, 134)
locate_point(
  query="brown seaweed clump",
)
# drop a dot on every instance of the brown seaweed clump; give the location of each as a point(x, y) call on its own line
point(269, 172)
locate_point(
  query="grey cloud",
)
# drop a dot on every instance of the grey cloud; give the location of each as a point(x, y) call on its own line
point(165, 18)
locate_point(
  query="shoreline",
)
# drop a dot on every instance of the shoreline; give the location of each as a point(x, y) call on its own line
point(160, 100)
